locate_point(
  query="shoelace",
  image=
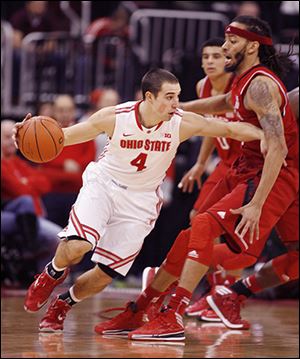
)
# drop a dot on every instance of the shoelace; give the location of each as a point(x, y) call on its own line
point(129, 306)
point(102, 313)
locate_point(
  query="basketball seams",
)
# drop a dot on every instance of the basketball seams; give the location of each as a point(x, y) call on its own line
point(36, 141)
point(56, 151)
point(41, 139)
point(24, 134)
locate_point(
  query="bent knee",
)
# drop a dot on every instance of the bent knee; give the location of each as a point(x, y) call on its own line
point(76, 248)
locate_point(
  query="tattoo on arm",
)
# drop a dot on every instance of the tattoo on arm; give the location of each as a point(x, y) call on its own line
point(270, 119)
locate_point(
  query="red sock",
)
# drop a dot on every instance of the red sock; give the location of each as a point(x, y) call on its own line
point(180, 300)
point(146, 296)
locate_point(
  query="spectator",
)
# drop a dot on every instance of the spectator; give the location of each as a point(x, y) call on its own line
point(100, 98)
point(45, 109)
point(33, 17)
point(22, 209)
point(250, 8)
point(116, 25)
point(65, 171)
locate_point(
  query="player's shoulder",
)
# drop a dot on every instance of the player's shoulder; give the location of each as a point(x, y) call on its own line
point(125, 106)
point(199, 85)
point(262, 83)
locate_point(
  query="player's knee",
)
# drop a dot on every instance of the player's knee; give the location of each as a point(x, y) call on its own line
point(203, 234)
point(177, 254)
point(76, 248)
point(105, 274)
point(287, 265)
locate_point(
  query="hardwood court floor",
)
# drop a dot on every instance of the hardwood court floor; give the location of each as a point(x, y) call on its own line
point(274, 334)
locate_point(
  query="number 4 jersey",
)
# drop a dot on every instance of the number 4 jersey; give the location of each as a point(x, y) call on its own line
point(138, 157)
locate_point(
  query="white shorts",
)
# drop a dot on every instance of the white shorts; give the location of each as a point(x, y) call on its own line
point(113, 218)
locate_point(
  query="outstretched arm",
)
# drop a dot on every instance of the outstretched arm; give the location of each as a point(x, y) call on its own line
point(212, 105)
point(197, 125)
point(264, 99)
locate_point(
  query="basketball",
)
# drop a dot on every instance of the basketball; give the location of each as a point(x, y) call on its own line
point(40, 139)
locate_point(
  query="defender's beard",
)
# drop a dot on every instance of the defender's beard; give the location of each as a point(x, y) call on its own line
point(239, 57)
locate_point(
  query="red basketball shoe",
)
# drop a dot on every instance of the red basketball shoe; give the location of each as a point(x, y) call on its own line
point(54, 319)
point(40, 290)
point(227, 305)
point(214, 279)
point(124, 322)
point(167, 326)
point(208, 315)
point(197, 308)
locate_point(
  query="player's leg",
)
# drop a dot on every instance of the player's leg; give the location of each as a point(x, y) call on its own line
point(87, 220)
point(86, 285)
point(128, 237)
point(168, 325)
point(281, 269)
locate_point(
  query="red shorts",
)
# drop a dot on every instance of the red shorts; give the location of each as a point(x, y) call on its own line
point(280, 210)
point(218, 173)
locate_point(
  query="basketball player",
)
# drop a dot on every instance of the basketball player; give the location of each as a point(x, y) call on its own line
point(255, 195)
point(216, 82)
point(120, 199)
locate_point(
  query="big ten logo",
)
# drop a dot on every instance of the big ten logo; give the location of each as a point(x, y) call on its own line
point(167, 135)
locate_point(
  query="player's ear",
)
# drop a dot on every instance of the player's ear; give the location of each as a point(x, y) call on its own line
point(253, 47)
point(149, 96)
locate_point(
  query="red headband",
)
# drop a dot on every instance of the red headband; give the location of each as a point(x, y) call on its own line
point(252, 36)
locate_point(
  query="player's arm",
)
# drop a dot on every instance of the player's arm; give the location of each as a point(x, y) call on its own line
point(294, 101)
point(197, 125)
point(101, 121)
point(213, 105)
point(264, 99)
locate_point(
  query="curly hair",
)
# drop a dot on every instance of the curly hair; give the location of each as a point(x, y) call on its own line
point(278, 62)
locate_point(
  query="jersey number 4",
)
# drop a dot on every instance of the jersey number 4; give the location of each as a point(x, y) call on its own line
point(139, 161)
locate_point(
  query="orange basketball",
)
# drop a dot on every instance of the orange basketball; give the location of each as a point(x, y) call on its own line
point(40, 139)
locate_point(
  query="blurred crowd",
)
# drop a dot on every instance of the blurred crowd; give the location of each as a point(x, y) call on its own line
point(36, 198)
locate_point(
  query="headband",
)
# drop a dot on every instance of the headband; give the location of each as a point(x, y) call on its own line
point(249, 35)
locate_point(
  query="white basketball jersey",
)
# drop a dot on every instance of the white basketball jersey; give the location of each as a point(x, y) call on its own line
point(136, 156)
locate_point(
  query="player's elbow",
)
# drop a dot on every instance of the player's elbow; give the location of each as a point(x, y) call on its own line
point(279, 148)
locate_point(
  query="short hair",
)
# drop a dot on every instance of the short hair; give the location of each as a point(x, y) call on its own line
point(214, 41)
point(153, 80)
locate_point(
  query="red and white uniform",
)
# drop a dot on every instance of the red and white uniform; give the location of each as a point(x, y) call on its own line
point(281, 208)
point(121, 198)
point(228, 149)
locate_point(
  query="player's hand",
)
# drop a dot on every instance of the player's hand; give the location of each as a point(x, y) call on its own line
point(192, 176)
point(16, 128)
point(250, 221)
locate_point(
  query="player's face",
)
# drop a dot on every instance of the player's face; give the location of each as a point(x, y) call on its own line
point(167, 100)
point(213, 61)
point(234, 50)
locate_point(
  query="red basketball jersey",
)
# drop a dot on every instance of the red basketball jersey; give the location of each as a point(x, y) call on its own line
point(228, 149)
point(251, 156)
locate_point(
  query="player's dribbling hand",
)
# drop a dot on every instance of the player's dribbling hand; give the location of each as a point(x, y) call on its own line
point(16, 128)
